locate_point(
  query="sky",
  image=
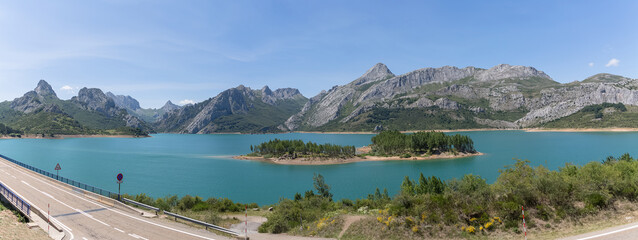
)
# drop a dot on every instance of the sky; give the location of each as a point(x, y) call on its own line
point(189, 51)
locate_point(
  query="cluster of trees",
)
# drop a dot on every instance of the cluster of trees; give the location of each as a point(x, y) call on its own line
point(278, 148)
point(5, 130)
point(395, 142)
point(598, 108)
point(568, 193)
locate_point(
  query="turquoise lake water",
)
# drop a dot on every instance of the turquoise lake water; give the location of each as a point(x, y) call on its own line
point(201, 165)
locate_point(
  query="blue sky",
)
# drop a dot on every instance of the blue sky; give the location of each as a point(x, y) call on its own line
point(191, 50)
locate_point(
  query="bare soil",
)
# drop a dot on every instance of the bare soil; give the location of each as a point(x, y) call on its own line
point(11, 228)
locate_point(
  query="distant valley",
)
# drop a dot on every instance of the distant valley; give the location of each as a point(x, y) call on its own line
point(503, 97)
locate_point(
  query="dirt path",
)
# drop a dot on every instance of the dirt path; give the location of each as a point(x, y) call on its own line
point(350, 219)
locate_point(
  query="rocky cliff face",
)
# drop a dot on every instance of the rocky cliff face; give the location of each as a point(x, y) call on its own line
point(491, 95)
point(126, 102)
point(271, 97)
point(95, 100)
point(35, 99)
point(327, 105)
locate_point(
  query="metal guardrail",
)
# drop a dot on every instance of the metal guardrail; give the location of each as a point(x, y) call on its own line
point(141, 205)
point(63, 179)
point(207, 225)
point(17, 202)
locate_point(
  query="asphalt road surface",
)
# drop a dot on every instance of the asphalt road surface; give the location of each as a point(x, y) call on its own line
point(83, 217)
point(627, 231)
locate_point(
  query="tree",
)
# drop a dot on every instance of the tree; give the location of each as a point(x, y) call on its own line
point(322, 188)
point(407, 187)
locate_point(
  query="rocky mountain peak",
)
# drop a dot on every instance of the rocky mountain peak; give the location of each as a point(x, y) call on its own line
point(94, 99)
point(378, 72)
point(266, 90)
point(605, 78)
point(503, 71)
point(126, 102)
point(35, 99)
point(169, 106)
point(271, 97)
point(45, 90)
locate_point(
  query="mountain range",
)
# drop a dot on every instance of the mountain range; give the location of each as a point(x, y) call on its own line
point(503, 96)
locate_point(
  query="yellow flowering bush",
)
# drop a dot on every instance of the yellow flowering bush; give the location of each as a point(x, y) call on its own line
point(470, 229)
point(323, 222)
point(409, 222)
point(415, 229)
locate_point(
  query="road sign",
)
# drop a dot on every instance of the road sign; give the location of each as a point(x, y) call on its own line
point(57, 171)
point(119, 180)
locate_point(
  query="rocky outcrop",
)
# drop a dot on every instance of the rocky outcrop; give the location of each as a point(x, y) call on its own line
point(169, 106)
point(326, 106)
point(296, 120)
point(444, 103)
point(95, 100)
point(504, 71)
point(271, 97)
point(126, 102)
point(378, 72)
point(35, 99)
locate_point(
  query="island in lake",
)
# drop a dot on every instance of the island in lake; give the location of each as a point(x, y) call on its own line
point(386, 146)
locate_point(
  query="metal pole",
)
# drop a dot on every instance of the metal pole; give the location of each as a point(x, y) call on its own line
point(246, 222)
point(119, 197)
point(524, 227)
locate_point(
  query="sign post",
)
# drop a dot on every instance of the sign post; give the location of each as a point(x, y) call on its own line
point(57, 170)
point(119, 181)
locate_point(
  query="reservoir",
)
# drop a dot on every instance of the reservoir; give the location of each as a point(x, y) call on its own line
point(167, 164)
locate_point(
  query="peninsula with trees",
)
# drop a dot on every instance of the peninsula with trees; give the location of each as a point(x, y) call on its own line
point(386, 146)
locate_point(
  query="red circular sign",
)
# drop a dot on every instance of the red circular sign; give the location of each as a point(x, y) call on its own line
point(120, 177)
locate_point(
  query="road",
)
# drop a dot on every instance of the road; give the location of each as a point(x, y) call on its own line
point(627, 231)
point(85, 218)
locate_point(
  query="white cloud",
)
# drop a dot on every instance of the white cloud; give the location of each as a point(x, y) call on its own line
point(591, 64)
point(613, 63)
point(66, 88)
point(186, 101)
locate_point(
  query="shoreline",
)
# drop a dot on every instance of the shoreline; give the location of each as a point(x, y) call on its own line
point(335, 161)
point(612, 129)
point(581, 130)
point(37, 136)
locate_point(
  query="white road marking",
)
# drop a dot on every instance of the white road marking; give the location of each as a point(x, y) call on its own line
point(84, 238)
point(609, 233)
point(113, 210)
point(119, 230)
point(77, 210)
point(133, 235)
point(69, 230)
